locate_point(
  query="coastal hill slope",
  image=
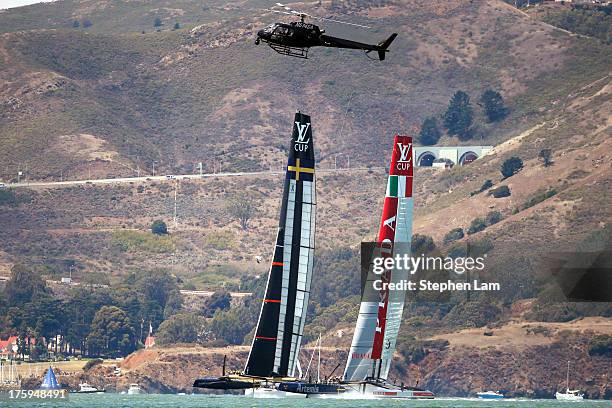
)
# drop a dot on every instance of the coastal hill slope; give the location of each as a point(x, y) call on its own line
point(106, 100)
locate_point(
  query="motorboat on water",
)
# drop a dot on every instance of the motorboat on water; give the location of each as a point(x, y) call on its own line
point(135, 389)
point(490, 395)
point(85, 388)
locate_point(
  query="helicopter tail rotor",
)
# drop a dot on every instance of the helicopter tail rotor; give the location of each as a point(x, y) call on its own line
point(384, 45)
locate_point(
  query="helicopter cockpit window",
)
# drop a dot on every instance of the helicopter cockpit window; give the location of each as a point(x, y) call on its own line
point(269, 28)
point(281, 30)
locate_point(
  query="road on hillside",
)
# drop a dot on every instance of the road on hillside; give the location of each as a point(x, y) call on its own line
point(29, 184)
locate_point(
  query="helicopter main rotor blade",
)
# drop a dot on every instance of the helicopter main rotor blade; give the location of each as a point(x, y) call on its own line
point(278, 11)
point(339, 22)
point(302, 14)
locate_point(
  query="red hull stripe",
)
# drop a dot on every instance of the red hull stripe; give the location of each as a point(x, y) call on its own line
point(277, 264)
point(265, 338)
point(272, 300)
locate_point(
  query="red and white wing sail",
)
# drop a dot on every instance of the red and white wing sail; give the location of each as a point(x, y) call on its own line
point(379, 319)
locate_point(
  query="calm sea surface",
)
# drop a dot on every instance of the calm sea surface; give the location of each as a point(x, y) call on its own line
point(204, 401)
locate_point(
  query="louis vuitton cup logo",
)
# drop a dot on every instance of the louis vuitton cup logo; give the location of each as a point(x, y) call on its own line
point(301, 143)
point(405, 159)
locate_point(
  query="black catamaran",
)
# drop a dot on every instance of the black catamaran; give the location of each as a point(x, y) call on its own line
point(276, 344)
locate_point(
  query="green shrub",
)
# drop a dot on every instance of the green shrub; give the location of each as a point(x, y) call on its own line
point(7, 197)
point(92, 363)
point(601, 345)
point(429, 134)
point(493, 217)
point(538, 197)
point(422, 244)
point(159, 227)
point(219, 240)
point(142, 241)
point(501, 192)
point(511, 166)
point(453, 235)
point(477, 225)
point(457, 251)
point(411, 349)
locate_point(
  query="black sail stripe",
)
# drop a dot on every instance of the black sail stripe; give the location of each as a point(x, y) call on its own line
point(293, 276)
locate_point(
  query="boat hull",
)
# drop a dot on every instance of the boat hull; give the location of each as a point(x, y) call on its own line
point(568, 397)
point(299, 387)
point(490, 396)
point(224, 383)
point(354, 391)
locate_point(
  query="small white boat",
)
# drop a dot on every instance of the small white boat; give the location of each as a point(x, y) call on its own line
point(490, 395)
point(135, 389)
point(85, 388)
point(569, 395)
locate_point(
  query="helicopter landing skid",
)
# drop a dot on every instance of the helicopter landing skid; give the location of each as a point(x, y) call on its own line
point(290, 51)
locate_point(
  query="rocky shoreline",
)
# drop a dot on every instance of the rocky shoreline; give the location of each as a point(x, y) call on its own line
point(532, 372)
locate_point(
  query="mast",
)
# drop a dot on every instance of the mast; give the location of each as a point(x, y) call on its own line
point(380, 312)
point(319, 365)
point(278, 336)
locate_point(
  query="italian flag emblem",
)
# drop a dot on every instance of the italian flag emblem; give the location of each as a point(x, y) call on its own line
point(399, 186)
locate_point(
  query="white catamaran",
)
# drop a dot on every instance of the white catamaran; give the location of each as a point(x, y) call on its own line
point(380, 313)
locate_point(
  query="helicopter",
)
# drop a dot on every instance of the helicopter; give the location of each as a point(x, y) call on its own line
point(295, 38)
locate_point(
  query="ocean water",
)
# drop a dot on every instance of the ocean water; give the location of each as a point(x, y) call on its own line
point(207, 401)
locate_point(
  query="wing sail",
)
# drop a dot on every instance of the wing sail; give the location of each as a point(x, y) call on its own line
point(379, 321)
point(280, 327)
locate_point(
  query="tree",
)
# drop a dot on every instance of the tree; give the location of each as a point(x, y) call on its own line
point(76, 24)
point(493, 217)
point(79, 311)
point(493, 104)
point(180, 328)
point(511, 166)
point(429, 134)
point(23, 286)
point(219, 300)
point(453, 235)
point(422, 244)
point(159, 295)
point(459, 116)
point(477, 225)
point(157, 22)
point(158, 227)
point(111, 333)
point(231, 326)
point(177, 26)
point(546, 156)
point(243, 209)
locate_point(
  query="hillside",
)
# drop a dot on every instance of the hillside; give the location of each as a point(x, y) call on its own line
point(109, 101)
point(206, 93)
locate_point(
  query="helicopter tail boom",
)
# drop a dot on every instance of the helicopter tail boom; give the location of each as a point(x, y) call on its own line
point(381, 47)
